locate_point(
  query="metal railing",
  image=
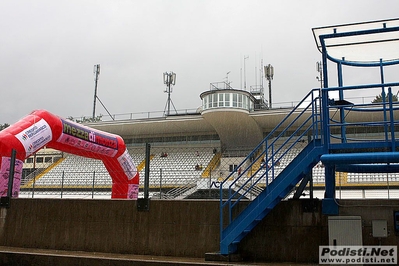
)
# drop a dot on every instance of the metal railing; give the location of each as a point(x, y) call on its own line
point(259, 167)
point(158, 114)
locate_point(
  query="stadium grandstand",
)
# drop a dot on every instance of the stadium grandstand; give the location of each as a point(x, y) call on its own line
point(202, 149)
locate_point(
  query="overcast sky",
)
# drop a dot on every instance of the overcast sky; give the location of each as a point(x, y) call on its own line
point(48, 50)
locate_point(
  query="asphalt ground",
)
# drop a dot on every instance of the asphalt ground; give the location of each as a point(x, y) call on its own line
point(10, 256)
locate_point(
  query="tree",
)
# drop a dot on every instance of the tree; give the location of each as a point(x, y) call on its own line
point(5, 125)
point(378, 98)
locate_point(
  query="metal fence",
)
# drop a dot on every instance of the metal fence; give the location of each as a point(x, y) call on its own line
point(182, 172)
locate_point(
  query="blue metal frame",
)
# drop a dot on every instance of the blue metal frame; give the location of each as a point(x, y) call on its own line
point(273, 148)
point(316, 139)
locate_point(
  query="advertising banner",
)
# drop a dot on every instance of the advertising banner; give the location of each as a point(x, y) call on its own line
point(88, 139)
point(5, 174)
point(35, 137)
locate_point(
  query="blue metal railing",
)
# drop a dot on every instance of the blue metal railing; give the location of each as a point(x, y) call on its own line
point(308, 121)
point(331, 138)
point(383, 120)
point(292, 133)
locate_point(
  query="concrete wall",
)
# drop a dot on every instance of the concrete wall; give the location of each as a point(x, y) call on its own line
point(291, 232)
point(172, 228)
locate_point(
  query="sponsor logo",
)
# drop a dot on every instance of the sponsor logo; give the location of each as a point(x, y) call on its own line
point(89, 135)
point(35, 137)
point(33, 131)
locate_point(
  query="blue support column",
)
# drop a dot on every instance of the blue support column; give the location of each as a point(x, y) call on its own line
point(329, 203)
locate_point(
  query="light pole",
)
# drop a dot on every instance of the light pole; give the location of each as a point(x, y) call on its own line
point(269, 73)
point(97, 72)
point(169, 79)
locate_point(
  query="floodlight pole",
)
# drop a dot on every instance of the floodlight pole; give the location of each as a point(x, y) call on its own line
point(97, 72)
point(269, 73)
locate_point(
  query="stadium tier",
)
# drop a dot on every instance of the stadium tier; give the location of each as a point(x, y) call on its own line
point(177, 171)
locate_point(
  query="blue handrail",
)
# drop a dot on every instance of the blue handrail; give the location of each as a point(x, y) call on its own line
point(273, 149)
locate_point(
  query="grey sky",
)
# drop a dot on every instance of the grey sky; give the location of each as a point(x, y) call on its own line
point(48, 50)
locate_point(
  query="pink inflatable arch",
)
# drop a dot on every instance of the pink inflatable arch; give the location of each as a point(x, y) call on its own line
point(41, 128)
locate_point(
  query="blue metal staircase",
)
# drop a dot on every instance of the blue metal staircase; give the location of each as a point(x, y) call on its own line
point(270, 197)
point(318, 128)
point(297, 136)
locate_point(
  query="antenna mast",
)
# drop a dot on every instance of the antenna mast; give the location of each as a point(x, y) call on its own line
point(169, 79)
point(97, 73)
point(245, 74)
point(269, 72)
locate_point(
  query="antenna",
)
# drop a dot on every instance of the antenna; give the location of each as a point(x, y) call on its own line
point(240, 78)
point(245, 75)
point(256, 76)
point(169, 79)
point(97, 73)
point(227, 79)
point(269, 72)
point(261, 73)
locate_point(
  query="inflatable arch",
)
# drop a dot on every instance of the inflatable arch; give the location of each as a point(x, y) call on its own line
point(41, 128)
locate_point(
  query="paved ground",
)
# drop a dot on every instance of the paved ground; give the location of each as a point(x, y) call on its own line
point(27, 256)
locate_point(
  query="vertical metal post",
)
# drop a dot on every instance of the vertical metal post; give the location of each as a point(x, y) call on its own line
point(92, 188)
point(33, 186)
point(11, 173)
point(391, 119)
point(210, 181)
point(62, 184)
point(147, 170)
point(329, 204)
point(270, 94)
point(341, 97)
point(143, 204)
point(311, 184)
point(310, 172)
point(168, 113)
point(324, 98)
point(160, 183)
point(384, 99)
point(329, 181)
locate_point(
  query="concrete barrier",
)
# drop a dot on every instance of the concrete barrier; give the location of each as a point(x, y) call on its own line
point(188, 228)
